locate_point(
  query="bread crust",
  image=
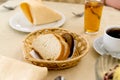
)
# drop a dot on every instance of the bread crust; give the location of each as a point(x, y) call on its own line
point(66, 47)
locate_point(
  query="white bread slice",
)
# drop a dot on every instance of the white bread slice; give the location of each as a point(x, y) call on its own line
point(48, 46)
point(38, 13)
point(66, 47)
point(11, 69)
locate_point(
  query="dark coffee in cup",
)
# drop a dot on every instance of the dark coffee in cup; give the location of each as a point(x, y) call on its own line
point(114, 32)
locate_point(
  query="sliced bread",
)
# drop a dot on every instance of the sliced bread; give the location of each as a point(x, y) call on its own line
point(66, 47)
point(69, 39)
point(48, 46)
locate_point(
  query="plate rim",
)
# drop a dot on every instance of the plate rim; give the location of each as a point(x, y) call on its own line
point(11, 23)
point(94, 46)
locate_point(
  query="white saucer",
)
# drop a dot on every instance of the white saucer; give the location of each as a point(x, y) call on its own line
point(98, 46)
point(20, 23)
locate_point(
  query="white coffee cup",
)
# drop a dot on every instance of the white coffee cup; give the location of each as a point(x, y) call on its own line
point(111, 42)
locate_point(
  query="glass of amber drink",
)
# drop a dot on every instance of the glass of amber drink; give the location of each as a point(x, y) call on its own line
point(92, 17)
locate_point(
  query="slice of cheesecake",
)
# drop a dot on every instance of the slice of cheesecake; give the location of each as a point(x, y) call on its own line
point(38, 13)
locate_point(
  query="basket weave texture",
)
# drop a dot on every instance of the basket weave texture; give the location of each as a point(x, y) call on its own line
point(80, 49)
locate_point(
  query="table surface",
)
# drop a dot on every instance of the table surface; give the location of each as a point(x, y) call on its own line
point(11, 40)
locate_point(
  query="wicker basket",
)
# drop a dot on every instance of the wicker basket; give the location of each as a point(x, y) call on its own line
point(80, 49)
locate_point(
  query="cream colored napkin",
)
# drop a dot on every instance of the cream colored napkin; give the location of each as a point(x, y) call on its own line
point(11, 69)
point(38, 13)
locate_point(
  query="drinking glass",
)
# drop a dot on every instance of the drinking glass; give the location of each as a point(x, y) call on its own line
point(92, 17)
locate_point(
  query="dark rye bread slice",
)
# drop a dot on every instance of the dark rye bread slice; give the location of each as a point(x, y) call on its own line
point(69, 39)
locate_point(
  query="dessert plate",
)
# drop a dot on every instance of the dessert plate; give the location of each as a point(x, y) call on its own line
point(20, 23)
point(98, 46)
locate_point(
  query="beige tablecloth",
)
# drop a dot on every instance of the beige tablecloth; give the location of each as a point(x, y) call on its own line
point(11, 40)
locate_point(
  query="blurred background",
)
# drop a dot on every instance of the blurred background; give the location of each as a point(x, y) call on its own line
point(67, 1)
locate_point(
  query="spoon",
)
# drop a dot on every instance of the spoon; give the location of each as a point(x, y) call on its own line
point(9, 7)
point(59, 78)
point(78, 14)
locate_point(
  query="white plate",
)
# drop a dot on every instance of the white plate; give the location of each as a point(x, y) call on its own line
point(20, 23)
point(98, 46)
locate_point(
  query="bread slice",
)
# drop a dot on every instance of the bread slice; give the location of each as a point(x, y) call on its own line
point(48, 46)
point(69, 39)
point(66, 47)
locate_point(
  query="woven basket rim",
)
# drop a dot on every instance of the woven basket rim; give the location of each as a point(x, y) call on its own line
point(59, 61)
